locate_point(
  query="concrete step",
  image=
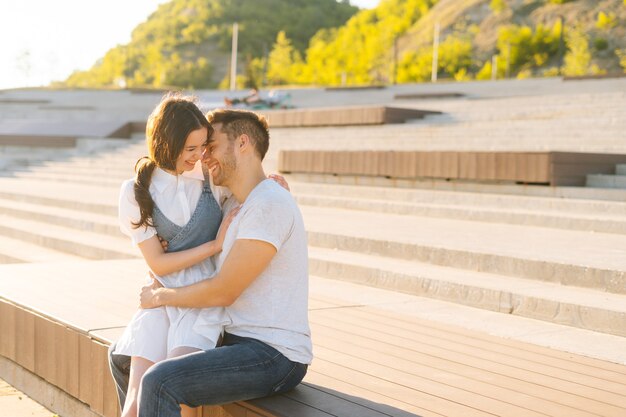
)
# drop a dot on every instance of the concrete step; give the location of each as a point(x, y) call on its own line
point(585, 259)
point(100, 200)
point(579, 193)
point(67, 168)
point(606, 181)
point(601, 279)
point(577, 307)
point(74, 219)
point(542, 218)
point(455, 210)
point(478, 198)
point(620, 169)
point(94, 179)
point(84, 244)
point(19, 251)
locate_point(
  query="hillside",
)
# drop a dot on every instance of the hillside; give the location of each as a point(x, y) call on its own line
point(326, 42)
point(525, 27)
point(186, 43)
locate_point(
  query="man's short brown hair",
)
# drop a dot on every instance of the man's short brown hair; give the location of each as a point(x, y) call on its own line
point(236, 122)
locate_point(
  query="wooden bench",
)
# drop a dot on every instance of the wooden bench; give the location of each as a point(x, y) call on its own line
point(342, 116)
point(550, 168)
point(373, 358)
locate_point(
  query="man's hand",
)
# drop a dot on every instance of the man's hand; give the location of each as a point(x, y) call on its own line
point(149, 292)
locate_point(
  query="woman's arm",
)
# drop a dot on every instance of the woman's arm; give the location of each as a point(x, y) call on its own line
point(163, 263)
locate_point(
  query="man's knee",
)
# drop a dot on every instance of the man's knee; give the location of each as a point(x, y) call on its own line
point(154, 380)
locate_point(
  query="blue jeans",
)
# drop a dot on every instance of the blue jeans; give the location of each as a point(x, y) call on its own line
point(240, 369)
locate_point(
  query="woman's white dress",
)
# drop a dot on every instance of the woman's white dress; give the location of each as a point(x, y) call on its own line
point(153, 333)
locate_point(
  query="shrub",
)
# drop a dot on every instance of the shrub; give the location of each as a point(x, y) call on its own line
point(578, 57)
point(606, 21)
point(522, 47)
point(499, 6)
point(621, 54)
point(600, 44)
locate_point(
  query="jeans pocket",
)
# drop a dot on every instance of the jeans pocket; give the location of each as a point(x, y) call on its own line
point(292, 379)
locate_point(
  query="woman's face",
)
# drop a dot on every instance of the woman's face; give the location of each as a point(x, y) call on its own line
point(192, 152)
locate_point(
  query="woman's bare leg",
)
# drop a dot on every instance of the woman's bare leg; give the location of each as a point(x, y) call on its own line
point(138, 367)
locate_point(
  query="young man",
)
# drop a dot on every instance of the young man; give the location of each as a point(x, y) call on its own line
point(262, 281)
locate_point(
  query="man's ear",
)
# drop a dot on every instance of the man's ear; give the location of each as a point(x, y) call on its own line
point(243, 141)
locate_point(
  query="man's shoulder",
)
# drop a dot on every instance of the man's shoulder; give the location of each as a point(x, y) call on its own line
point(272, 201)
point(272, 193)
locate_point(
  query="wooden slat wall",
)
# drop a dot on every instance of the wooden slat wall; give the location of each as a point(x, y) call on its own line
point(64, 357)
point(554, 168)
point(77, 363)
point(342, 116)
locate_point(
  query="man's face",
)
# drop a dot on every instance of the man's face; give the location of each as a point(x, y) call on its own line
point(220, 157)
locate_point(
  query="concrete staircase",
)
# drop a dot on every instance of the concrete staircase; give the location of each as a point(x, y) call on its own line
point(609, 181)
point(556, 260)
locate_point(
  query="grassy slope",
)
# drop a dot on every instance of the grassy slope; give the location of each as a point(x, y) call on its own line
point(457, 14)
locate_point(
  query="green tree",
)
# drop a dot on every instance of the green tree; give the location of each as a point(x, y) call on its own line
point(198, 32)
point(606, 21)
point(282, 60)
point(361, 52)
point(578, 57)
point(498, 6)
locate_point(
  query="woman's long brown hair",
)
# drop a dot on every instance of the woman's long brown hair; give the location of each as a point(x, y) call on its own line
point(167, 129)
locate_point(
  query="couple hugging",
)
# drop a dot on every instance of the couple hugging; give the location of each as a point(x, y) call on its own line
point(225, 316)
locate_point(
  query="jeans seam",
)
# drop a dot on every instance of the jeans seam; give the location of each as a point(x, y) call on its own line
point(283, 381)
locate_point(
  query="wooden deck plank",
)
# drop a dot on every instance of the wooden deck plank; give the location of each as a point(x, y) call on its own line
point(489, 398)
point(336, 405)
point(422, 364)
point(563, 360)
point(415, 341)
point(593, 376)
point(441, 404)
point(287, 407)
point(439, 328)
point(324, 382)
point(433, 354)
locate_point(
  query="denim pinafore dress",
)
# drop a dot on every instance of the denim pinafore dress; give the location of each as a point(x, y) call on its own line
point(154, 333)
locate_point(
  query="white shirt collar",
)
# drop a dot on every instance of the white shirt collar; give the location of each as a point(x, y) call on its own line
point(162, 179)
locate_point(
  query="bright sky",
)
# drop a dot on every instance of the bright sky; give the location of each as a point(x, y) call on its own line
point(46, 40)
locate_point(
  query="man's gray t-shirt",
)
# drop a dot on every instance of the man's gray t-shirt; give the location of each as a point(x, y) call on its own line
point(274, 308)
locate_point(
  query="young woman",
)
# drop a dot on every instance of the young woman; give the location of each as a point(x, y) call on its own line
point(172, 197)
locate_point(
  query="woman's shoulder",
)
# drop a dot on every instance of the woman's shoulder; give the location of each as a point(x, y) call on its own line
point(127, 190)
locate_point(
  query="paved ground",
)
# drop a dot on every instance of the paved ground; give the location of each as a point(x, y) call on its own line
point(14, 403)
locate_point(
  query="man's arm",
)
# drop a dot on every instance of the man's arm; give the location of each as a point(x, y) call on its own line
point(245, 262)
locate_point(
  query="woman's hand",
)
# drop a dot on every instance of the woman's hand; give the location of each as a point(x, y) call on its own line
point(280, 180)
point(164, 243)
point(148, 296)
point(226, 221)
